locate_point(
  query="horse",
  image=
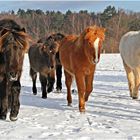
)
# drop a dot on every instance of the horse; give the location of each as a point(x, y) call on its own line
point(129, 48)
point(42, 60)
point(79, 56)
point(14, 42)
point(56, 37)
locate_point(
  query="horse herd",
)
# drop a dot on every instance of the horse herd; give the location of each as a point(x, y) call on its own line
point(77, 54)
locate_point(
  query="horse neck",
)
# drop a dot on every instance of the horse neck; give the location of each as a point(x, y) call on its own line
point(82, 49)
point(79, 44)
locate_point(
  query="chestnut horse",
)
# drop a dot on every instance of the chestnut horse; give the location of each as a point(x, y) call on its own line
point(13, 45)
point(42, 60)
point(79, 56)
point(130, 52)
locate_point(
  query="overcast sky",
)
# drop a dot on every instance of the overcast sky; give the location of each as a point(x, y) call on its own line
point(63, 6)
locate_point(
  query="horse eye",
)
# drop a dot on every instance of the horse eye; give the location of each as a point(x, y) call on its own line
point(52, 52)
point(20, 47)
point(15, 47)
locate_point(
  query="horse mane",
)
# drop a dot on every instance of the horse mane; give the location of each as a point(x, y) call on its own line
point(9, 24)
point(10, 29)
point(89, 34)
point(94, 31)
point(55, 37)
point(20, 37)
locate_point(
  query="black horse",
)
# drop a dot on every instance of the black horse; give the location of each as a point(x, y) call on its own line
point(42, 59)
point(13, 45)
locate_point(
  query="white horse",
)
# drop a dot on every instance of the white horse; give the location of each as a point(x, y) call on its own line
point(130, 52)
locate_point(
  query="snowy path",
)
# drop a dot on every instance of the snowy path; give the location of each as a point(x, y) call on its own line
point(110, 113)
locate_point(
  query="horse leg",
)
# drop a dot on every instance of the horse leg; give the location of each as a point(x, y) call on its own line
point(33, 75)
point(3, 100)
point(137, 83)
point(43, 81)
point(89, 85)
point(80, 81)
point(131, 78)
point(59, 76)
point(68, 82)
point(51, 81)
point(15, 103)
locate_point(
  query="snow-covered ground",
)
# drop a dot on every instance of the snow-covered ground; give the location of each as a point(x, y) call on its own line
point(110, 113)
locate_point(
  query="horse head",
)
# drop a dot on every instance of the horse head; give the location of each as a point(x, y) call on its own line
point(13, 45)
point(93, 38)
point(53, 43)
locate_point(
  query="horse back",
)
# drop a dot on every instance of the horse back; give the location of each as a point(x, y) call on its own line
point(130, 48)
point(72, 56)
point(38, 60)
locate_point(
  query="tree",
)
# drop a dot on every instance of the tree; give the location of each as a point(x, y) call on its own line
point(134, 25)
point(21, 12)
point(39, 12)
point(108, 13)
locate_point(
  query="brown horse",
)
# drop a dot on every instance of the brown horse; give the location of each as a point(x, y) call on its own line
point(13, 45)
point(42, 60)
point(79, 56)
point(56, 37)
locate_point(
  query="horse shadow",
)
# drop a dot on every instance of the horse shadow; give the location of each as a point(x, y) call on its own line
point(110, 78)
point(28, 99)
point(107, 106)
point(117, 111)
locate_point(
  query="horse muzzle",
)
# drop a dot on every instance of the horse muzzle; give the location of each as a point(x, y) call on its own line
point(1, 77)
point(52, 67)
point(95, 62)
point(12, 76)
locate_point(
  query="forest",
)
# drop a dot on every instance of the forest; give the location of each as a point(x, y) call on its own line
point(39, 23)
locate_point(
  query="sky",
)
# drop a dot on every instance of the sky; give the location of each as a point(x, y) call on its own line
point(63, 6)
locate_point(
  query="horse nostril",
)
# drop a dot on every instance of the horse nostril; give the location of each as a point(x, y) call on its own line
point(12, 74)
point(52, 67)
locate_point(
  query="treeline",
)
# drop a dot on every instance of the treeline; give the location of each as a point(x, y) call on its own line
point(39, 23)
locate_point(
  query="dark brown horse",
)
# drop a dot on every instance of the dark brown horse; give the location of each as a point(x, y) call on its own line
point(79, 56)
point(13, 45)
point(42, 59)
point(56, 38)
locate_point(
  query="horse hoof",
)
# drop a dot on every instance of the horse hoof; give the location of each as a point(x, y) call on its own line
point(74, 91)
point(69, 104)
point(35, 93)
point(82, 110)
point(134, 98)
point(44, 97)
point(12, 118)
point(34, 90)
point(2, 117)
point(86, 99)
point(58, 90)
point(49, 90)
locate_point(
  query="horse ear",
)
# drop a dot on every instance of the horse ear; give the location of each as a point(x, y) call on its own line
point(78, 42)
point(43, 47)
point(103, 29)
point(40, 41)
point(4, 31)
point(60, 36)
point(23, 29)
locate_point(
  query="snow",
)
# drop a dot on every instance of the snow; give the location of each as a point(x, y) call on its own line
point(110, 113)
